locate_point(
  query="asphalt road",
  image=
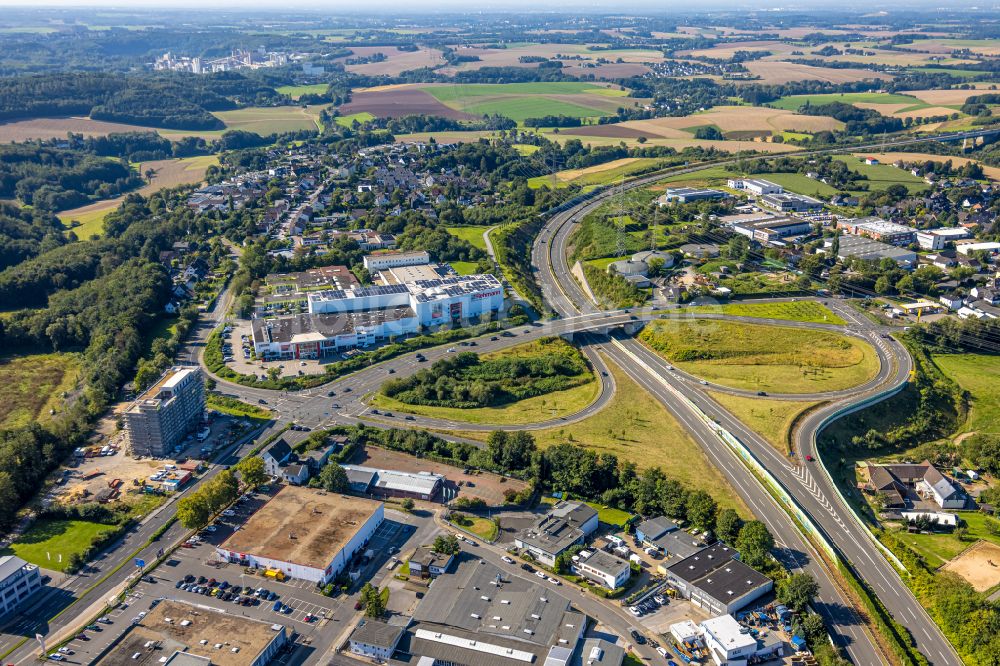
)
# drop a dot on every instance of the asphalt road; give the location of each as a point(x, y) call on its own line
point(815, 493)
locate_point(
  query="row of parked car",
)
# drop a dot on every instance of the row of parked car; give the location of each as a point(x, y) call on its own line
point(650, 605)
point(245, 596)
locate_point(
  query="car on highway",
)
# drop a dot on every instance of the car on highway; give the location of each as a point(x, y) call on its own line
point(494, 339)
point(409, 418)
point(451, 350)
point(330, 394)
point(809, 458)
point(761, 392)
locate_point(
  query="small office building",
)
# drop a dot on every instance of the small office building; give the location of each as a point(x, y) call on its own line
point(18, 581)
point(567, 524)
point(715, 580)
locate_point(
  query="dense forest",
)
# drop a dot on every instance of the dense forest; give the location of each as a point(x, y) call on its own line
point(167, 99)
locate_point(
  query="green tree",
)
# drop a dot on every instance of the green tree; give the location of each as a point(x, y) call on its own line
point(701, 509)
point(727, 525)
point(193, 511)
point(372, 602)
point(754, 543)
point(797, 591)
point(333, 478)
point(252, 471)
point(407, 504)
point(446, 545)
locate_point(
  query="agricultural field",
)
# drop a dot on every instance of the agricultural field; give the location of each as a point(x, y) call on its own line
point(979, 374)
point(599, 174)
point(768, 358)
point(168, 173)
point(396, 61)
point(771, 419)
point(881, 176)
point(794, 102)
point(471, 234)
point(986, 47)
point(348, 121)
point(633, 63)
point(519, 101)
point(33, 385)
point(271, 119)
point(759, 119)
point(776, 72)
point(50, 543)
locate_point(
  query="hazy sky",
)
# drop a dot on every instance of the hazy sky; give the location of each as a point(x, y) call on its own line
point(352, 6)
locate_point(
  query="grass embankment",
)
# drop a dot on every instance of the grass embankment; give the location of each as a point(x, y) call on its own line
point(979, 375)
point(771, 419)
point(234, 407)
point(636, 428)
point(471, 234)
point(756, 357)
point(529, 410)
point(33, 385)
point(804, 311)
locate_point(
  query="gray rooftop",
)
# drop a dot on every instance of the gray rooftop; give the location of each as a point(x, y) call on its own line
point(606, 654)
point(605, 562)
point(10, 565)
point(377, 633)
point(695, 566)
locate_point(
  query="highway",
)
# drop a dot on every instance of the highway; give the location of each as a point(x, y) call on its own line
point(815, 492)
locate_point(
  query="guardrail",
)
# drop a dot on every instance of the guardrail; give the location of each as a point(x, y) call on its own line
point(830, 418)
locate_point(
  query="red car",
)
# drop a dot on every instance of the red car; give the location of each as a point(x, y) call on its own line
point(809, 458)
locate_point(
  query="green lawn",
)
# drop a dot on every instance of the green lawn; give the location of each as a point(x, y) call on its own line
point(960, 73)
point(979, 374)
point(266, 120)
point(804, 311)
point(519, 108)
point(702, 176)
point(484, 528)
point(610, 515)
point(758, 357)
point(793, 102)
point(33, 385)
point(91, 222)
point(163, 329)
point(797, 182)
point(464, 267)
point(234, 407)
point(525, 100)
point(462, 91)
point(472, 235)
point(938, 549)
point(48, 540)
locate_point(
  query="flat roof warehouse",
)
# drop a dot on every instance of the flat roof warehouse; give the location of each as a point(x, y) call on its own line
point(302, 526)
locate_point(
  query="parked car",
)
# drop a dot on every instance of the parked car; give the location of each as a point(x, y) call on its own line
point(508, 560)
point(638, 638)
point(540, 574)
point(527, 567)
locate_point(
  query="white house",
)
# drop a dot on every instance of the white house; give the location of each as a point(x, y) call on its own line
point(601, 567)
point(935, 485)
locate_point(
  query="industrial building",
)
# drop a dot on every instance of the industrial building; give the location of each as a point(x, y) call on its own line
point(392, 483)
point(166, 412)
point(755, 186)
point(425, 562)
point(320, 335)
point(176, 633)
point(789, 202)
point(879, 230)
point(567, 524)
point(858, 247)
point(667, 537)
point(771, 229)
point(483, 616)
point(715, 580)
point(375, 639)
point(689, 195)
point(936, 239)
point(18, 581)
point(305, 533)
point(380, 261)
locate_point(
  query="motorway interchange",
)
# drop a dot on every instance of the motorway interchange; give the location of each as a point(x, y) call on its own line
point(808, 486)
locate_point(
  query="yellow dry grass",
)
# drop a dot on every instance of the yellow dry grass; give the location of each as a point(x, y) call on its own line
point(736, 118)
point(943, 97)
point(900, 110)
point(777, 71)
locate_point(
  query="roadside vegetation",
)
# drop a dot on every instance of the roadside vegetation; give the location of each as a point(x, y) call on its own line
point(771, 419)
point(803, 311)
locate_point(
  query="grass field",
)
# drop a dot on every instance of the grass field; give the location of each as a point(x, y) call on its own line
point(472, 235)
point(794, 102)
point(235, 407)
point(610, 515)
point(32, 385)
point(297, 91)
point(638, 429)
point(804, 311)
point(939, 548)
point(464, 267)
point(49, 540)
point(348, 120)
point(979, 374)
point(770, 358)
point(771, 419)
point(881, 176)
point(797, 182)
point(530, 410)
point(483, 528)
point(266, 120)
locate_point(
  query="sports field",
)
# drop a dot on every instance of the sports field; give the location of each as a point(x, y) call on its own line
point(33, 385)
point(767, 358)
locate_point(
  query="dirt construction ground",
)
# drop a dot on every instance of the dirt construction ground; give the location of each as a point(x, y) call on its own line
point(979, 565)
